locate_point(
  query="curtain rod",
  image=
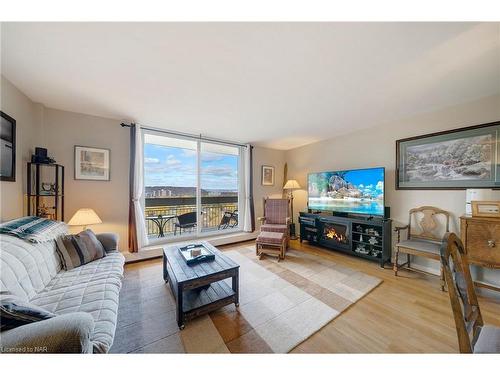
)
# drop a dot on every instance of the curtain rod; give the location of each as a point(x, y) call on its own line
point(187, 135)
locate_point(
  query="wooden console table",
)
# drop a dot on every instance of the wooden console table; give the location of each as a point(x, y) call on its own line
point(481, 238)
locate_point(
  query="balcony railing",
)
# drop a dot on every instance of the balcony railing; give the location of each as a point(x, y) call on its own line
point(212, 209)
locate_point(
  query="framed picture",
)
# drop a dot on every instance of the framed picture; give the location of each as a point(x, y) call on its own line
point(91, 163)
point(267, 175)
point(8, 148)
point(455, 159)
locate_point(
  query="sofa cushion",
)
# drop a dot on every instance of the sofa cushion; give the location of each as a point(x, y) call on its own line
point(26, 268)
point(92, 288)
point(16, 312)
point(78, 249)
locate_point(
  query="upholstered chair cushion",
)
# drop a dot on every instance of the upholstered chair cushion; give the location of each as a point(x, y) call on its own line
point(271, 238)
point(421, 245)
point(276, 211)
point(488, 340)
point(280, 228)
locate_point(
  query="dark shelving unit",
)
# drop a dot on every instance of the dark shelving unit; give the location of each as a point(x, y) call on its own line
point(357, 233)
point(44, 203)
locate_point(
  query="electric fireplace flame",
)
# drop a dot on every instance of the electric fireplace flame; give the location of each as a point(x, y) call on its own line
point(332, 234)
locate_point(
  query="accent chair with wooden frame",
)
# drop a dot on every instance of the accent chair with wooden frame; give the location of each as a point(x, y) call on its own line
point(275, 221)
point(473, 335)
point(424, 243)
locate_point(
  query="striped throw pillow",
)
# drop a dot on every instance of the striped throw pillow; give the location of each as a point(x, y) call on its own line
point(15, 312)
point(76, 250)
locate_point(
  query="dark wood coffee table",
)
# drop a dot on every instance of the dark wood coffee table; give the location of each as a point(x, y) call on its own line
point(199, 289)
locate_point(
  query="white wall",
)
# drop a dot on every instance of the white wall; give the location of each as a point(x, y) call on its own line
point(376, 147)
point(266, 156)
point(61, 132)
point(28, 130)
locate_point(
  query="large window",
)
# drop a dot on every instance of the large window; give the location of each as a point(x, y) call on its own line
point(192, 188)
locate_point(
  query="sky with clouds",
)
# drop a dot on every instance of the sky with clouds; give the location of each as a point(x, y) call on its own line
point(173, 166)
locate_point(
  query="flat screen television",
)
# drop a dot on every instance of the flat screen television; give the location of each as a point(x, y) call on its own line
point(356, 191)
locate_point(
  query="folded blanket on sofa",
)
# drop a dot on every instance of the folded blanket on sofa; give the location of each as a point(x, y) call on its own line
point(34, 229)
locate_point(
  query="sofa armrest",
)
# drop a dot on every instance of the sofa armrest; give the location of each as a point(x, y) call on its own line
point(67, 333)
point(109, 241)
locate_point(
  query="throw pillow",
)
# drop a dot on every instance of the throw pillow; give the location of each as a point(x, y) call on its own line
point(15, 312)
point(76, 250)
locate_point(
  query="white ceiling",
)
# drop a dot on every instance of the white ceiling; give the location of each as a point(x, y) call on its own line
point(279, 85)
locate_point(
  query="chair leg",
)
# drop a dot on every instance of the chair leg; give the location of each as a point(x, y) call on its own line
point(396, 256)
point(442, 278)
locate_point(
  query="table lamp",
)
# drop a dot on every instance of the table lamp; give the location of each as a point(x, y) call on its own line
point(84, 217)
point(292, 185)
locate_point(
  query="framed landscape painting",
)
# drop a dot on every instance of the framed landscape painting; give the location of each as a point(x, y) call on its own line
point(455, 159)
point(91, 163)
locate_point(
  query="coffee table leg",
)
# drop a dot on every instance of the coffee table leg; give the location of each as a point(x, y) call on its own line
point(180, 314)
point(165, 271)
point(236, 288)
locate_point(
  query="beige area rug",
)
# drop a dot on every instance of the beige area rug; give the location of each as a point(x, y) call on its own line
point(281, 305)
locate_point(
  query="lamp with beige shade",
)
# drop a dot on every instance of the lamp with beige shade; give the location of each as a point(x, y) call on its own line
point(292, 185)
point(84, 217)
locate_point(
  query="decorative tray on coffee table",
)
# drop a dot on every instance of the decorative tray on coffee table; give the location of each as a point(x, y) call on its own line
point(196, 253)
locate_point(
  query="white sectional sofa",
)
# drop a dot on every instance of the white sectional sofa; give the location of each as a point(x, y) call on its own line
point(85, 299)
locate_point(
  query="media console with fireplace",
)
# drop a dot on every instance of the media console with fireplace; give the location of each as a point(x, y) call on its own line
point(368, 238)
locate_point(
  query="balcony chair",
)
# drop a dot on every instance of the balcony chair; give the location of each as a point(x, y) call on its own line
point(274, 229)
point(226, 219)
point(424, 243)
point(185, 221)
point(473, 335)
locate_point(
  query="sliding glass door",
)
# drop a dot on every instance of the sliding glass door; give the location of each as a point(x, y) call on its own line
point(192, 188)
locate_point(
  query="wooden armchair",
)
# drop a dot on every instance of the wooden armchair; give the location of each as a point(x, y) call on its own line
point(424, 242)
point(473, 335)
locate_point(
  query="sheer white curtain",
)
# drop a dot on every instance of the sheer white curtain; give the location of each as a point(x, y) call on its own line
point(248, 190)
point(138, 190)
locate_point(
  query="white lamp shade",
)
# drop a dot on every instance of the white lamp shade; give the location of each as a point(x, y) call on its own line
point(291, 184)
point(85, 216)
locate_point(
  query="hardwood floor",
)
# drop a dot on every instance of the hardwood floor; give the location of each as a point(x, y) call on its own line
point(405, 314)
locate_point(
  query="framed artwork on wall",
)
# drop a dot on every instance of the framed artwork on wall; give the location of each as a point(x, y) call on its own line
point(455, 159)
point(267, 175)
point(92, 163)
point(8, 148)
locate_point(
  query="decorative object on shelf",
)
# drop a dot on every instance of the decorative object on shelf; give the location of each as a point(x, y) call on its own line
point(476, 195)
point(454, 159)
point(8, 148)
point(361, 238)
point(359, 229)
point(84, 217)
point(92, 163)
point(45, 199)
point(485, 208)
point(40, 156)
point(373, 241)
point(291, 185)
point(267, 175)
